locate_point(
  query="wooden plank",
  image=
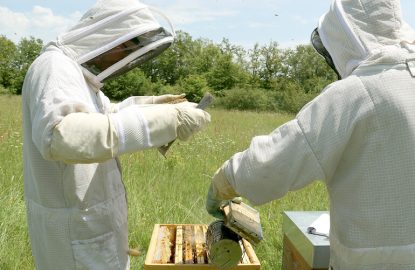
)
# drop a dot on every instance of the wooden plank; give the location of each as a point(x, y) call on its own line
point(178, 257)
point(292, 259)
point(244, 220)
point(204, 229)
point(152, 246)
point(250, 252)
point(163, 248)
point(188, 244)
point(171, 266)
point(200, 244)
point(244, 258)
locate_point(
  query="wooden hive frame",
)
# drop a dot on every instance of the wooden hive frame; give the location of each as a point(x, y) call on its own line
point(168, 240)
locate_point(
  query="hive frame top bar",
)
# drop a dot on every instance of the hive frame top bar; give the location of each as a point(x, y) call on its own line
point(149, 265)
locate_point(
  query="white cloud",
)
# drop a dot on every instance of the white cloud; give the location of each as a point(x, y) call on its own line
point(184, 12)
point(40, 23)
point(13, 24)
point(46, 25)
point(44, 18)
point(183, 16)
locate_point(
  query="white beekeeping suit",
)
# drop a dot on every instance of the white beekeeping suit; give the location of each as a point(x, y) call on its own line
point(75, 199)
point(358, 136)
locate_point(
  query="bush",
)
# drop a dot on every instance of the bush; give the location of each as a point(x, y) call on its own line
point(195, 86)
point(291, 97)
point(255, 99)
point(170, 89)
point(4, 91)
point(133, 83)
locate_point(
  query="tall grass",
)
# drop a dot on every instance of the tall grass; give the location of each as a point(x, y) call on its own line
point(159, 190)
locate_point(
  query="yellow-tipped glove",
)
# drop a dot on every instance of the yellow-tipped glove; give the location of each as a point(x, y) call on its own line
point(220, 192)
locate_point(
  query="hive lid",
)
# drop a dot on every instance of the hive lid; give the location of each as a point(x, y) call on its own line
point(243, 220)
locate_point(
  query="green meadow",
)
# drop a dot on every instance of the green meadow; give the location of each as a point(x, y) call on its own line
point(159, 190)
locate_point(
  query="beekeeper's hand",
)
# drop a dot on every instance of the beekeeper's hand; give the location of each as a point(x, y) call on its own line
point(190, 119)
point(139, 127)
point(140, 100)
point(220, 192)
point(213, 204)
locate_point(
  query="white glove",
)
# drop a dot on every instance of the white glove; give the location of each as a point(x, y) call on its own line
point(137, 100)
point(220, 191)
point(139, 128)
point(221, 185)
point(190, 119)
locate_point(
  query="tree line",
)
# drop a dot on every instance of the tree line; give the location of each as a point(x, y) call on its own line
point(264, 78)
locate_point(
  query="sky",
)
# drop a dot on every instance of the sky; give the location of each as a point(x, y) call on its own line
point(242, 22)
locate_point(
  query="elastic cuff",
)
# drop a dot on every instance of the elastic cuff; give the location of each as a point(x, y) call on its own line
point(132, 130)
point(222, 189)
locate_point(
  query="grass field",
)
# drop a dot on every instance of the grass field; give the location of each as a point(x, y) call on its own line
point(159, 190)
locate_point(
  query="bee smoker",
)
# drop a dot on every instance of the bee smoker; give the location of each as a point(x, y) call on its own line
point(222, 237)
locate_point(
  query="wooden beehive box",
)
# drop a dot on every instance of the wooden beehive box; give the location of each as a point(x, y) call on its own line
point(301, 250)
point(183, 246)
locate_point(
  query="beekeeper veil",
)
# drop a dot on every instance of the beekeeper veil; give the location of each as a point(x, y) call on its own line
point(352, 33)
point(115, 36)
point(322, 51)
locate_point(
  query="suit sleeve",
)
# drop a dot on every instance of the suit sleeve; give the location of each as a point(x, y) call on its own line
point(303, 150)
point(273, 165)
point(65, 123)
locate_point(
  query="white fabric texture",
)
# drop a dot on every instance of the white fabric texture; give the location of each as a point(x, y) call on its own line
point(189, 119)
point(132, 130)
point(75, 198)
point(358, 136)
point(221, 189)
point(84, 138)
point(77, 213)
point(354, 30)
point(142, 127)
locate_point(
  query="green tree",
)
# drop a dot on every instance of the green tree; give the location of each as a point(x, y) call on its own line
point(8, 52)
point(27, 51)
point(301, 77)
point(263, 78)
point(254, 65)
point(238, 53)
point(308, 69)
point(195, 86)
point(172, 64)
point(133, 83)
point(272, 64)
point(222, 75)
point(204, 56)
point(225, 74)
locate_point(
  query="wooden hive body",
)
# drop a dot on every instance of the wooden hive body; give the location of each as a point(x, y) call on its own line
point(183, 246)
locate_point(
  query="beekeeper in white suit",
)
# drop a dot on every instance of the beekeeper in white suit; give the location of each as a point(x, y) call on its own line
point(76, 204)
point(358, 136)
